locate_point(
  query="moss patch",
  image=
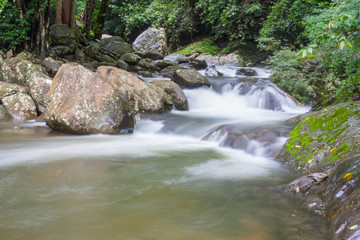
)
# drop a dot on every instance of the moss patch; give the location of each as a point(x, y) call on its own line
point(206, 45)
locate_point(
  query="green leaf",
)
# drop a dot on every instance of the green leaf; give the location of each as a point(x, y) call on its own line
point(342, 45)
point(354, 227)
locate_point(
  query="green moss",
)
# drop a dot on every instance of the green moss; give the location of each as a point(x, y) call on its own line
point(205, 45)
point(326, 131)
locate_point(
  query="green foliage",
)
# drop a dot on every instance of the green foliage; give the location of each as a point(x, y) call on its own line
point(205, 45)
point(285, 24)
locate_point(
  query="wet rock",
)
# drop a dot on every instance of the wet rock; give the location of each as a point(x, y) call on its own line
point(62, 39)
point(176, 58)
point(131, 58)
point(190, 78)
point(152, 40)
point(210, 59)
point(51, 65)
point(39, 85)
point(170, 71)
point(228, 137)
point(246, 72)
point(154, 55)
point(145, 63)
point(145, 73)
point(4, 115)
point(198, 64)
point(212, 72)
point(176, 93)
point(83, 102)
point(19, 69)
point(145, 97)
point(115, 45)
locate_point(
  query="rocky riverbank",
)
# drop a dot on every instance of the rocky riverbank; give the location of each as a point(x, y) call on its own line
point(325, 146)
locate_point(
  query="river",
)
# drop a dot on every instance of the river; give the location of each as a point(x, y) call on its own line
point(208, 173)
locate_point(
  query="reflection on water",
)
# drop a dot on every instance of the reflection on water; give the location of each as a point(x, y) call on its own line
point(163, 182)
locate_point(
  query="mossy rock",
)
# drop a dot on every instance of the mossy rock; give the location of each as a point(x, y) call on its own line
point(323, 139)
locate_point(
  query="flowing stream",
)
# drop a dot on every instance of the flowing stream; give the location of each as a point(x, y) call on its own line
point(208, 173)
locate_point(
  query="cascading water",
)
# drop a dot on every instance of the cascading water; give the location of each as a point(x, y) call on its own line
point(207, 173)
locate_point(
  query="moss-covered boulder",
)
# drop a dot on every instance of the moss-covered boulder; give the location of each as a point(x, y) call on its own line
point(131, 58)
point(324, 138)
point(62, 35)
point(328, 141)
point(115, 45)
point(190, 78)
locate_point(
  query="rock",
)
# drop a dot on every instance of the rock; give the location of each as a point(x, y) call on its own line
point(145, 63)
point(186, 65)
point(151, 40)
point(329, 141)
point(79, 56)
point(83, 102)
point(175, 92)
point(93, 51)
point(246, 72)
point(176, 58)
point(194, 56)
point(231, 58)
point(212, 72)
point(152, 54)
point(229, 137)
point(210, 59)
point(9, 54)
point(145, 97)
point(19, 69)
point(190, 78)
point(161, 64)
point(131, 58)
point(62, 35)
point(62, 51)
point(39, 85)
point(17, 101)
point(116, 45)
point(123, 65)
point(52, 66)
point(145, 73)
point(170, 71)
point(105, 36)
point(4, 115)
point(198, 64)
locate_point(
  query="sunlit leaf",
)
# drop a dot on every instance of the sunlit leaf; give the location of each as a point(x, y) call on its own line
point(332, 149)
point(354, 227)
point(348, 176)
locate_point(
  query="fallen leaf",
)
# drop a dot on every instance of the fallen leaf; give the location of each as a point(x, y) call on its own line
point(332, 149)
point(297, 146)
point(354, 227)
point(348, 176)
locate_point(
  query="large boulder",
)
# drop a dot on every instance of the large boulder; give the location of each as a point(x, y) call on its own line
point(170, 71)
point(131, 58)
point(328, 142)
point(145, 97)
point(246, 72)
point(152, 40)
point(93, 51)
point(17, 101)
point(176, 93)
point(115, 45)
point(19, 69)
point(61, 35)
point(190, 78)
point(39, 85)
point(83, 102)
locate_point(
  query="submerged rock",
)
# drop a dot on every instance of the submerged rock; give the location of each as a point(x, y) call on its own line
point(151, 40)
point(83, 102)
point(190, 78)
point(212, 72)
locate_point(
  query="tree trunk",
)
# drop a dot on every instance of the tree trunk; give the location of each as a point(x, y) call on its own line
point(66, 11)
point(89, 11)
point(58, 19)
point(20, 5)
point(43, 32)
point(101, 17)
point(72, 16)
